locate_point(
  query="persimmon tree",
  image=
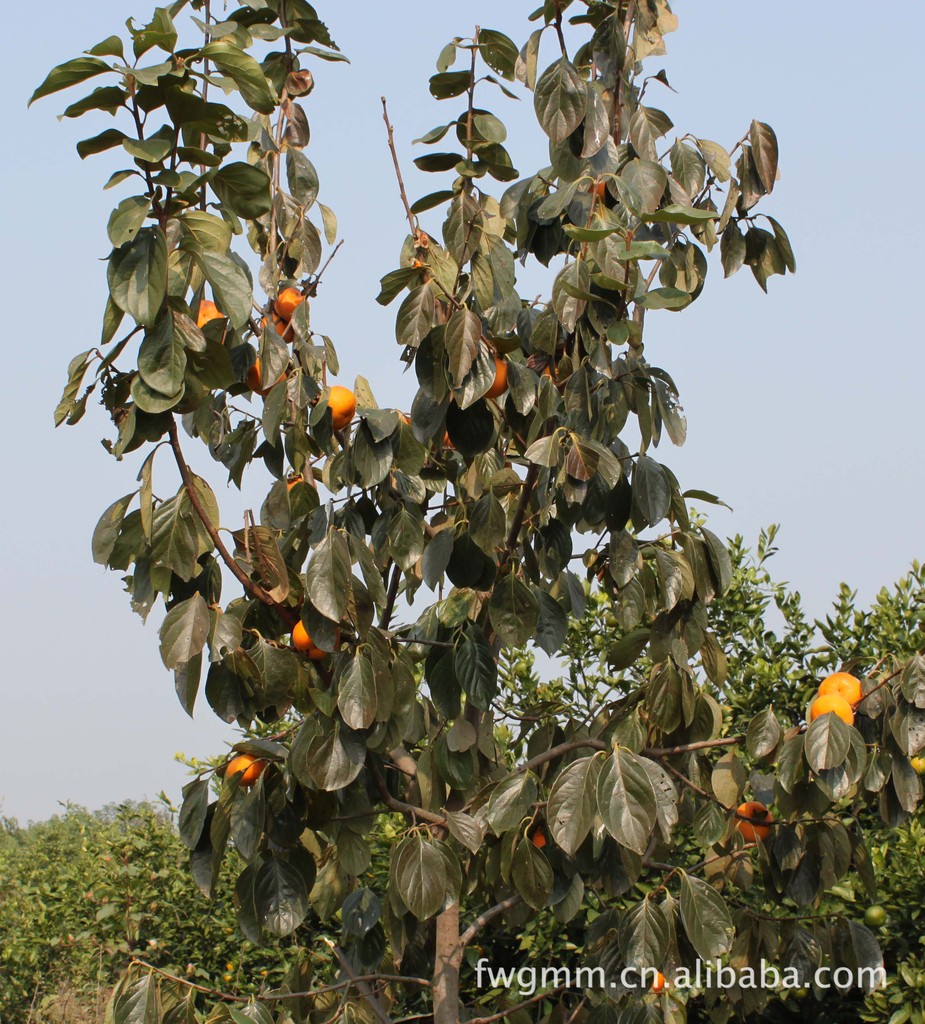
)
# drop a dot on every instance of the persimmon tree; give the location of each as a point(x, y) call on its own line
point(398, 558)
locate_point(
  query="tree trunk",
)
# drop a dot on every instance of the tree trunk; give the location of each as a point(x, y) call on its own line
point(446, 967)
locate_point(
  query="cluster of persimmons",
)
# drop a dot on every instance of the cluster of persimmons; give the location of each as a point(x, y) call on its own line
point(838, 694)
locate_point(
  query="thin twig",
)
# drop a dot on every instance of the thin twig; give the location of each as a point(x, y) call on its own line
point(517, 1006)
point(557, 22)
point(412, 221)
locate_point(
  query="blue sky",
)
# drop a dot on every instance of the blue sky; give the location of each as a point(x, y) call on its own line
point(803, 406)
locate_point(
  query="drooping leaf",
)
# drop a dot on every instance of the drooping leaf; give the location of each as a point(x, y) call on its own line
point(184, 631)
point(572, 803)
point(560, 100)
point(626, 800)
point(280, 895)
point(705, 918)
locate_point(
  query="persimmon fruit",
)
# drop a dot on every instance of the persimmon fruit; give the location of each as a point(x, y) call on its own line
point(844, 684)
point(250, 767)
point(304, 644)
point(831, 703)
point(752, 830)
point(343, 404)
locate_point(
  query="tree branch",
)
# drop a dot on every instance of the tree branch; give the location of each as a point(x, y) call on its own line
point(558, 751)
point(394, 804)
point(363, 988)
point(530, 479)
point(485, 918)
point(252, 588)
point(687, 748)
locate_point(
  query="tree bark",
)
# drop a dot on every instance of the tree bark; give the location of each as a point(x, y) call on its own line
point(447, 962)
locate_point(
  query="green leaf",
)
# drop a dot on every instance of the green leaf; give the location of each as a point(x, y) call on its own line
point(244, 189)
point(705, 918)
point(76, 371)
point(717, 158)
point(138, 275)
point(728, 779)
point(664, 298)
point(644, 935)
point(70, 73)
point(570, 293)
point(109, 98)
point(126, 219)
point(447, 84)
point(394, 283)
point(463, 331)
point(137, 1002)
point(356, 692)
point(415, 316)
point(626, 800)
point(175, 537)
point(763, 734)
point(732, 249)
point(428, 202)
point(510, 802)
point(279, 892)
point(651, 490)
point(162, 357)
point(230, 284)
point(107, 529)
point(323, 757)
point(406, 536)
point(560, 100)
point(183, 631)
point(687, 168)
point(466, 830)
point(108, 139)
point(499, 52)
point(827, 742)
point(764, 153)
point(111, 46)
point(513, 610)
point(245, 72)
point(420, 875)
point(475, 667)
point(551, 624)
point(151, 151)
point(674, 214)
point(193, 811)
point(462, 230)
point(647, 126)
point(783, 245)
point(572, 803)
point(327, 579)
point(258, 547)
point(531, 874)
point(360, 912)
point(207, 230)
point(301, 177)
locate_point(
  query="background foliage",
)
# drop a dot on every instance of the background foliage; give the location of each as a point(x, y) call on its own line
point(98, 889)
